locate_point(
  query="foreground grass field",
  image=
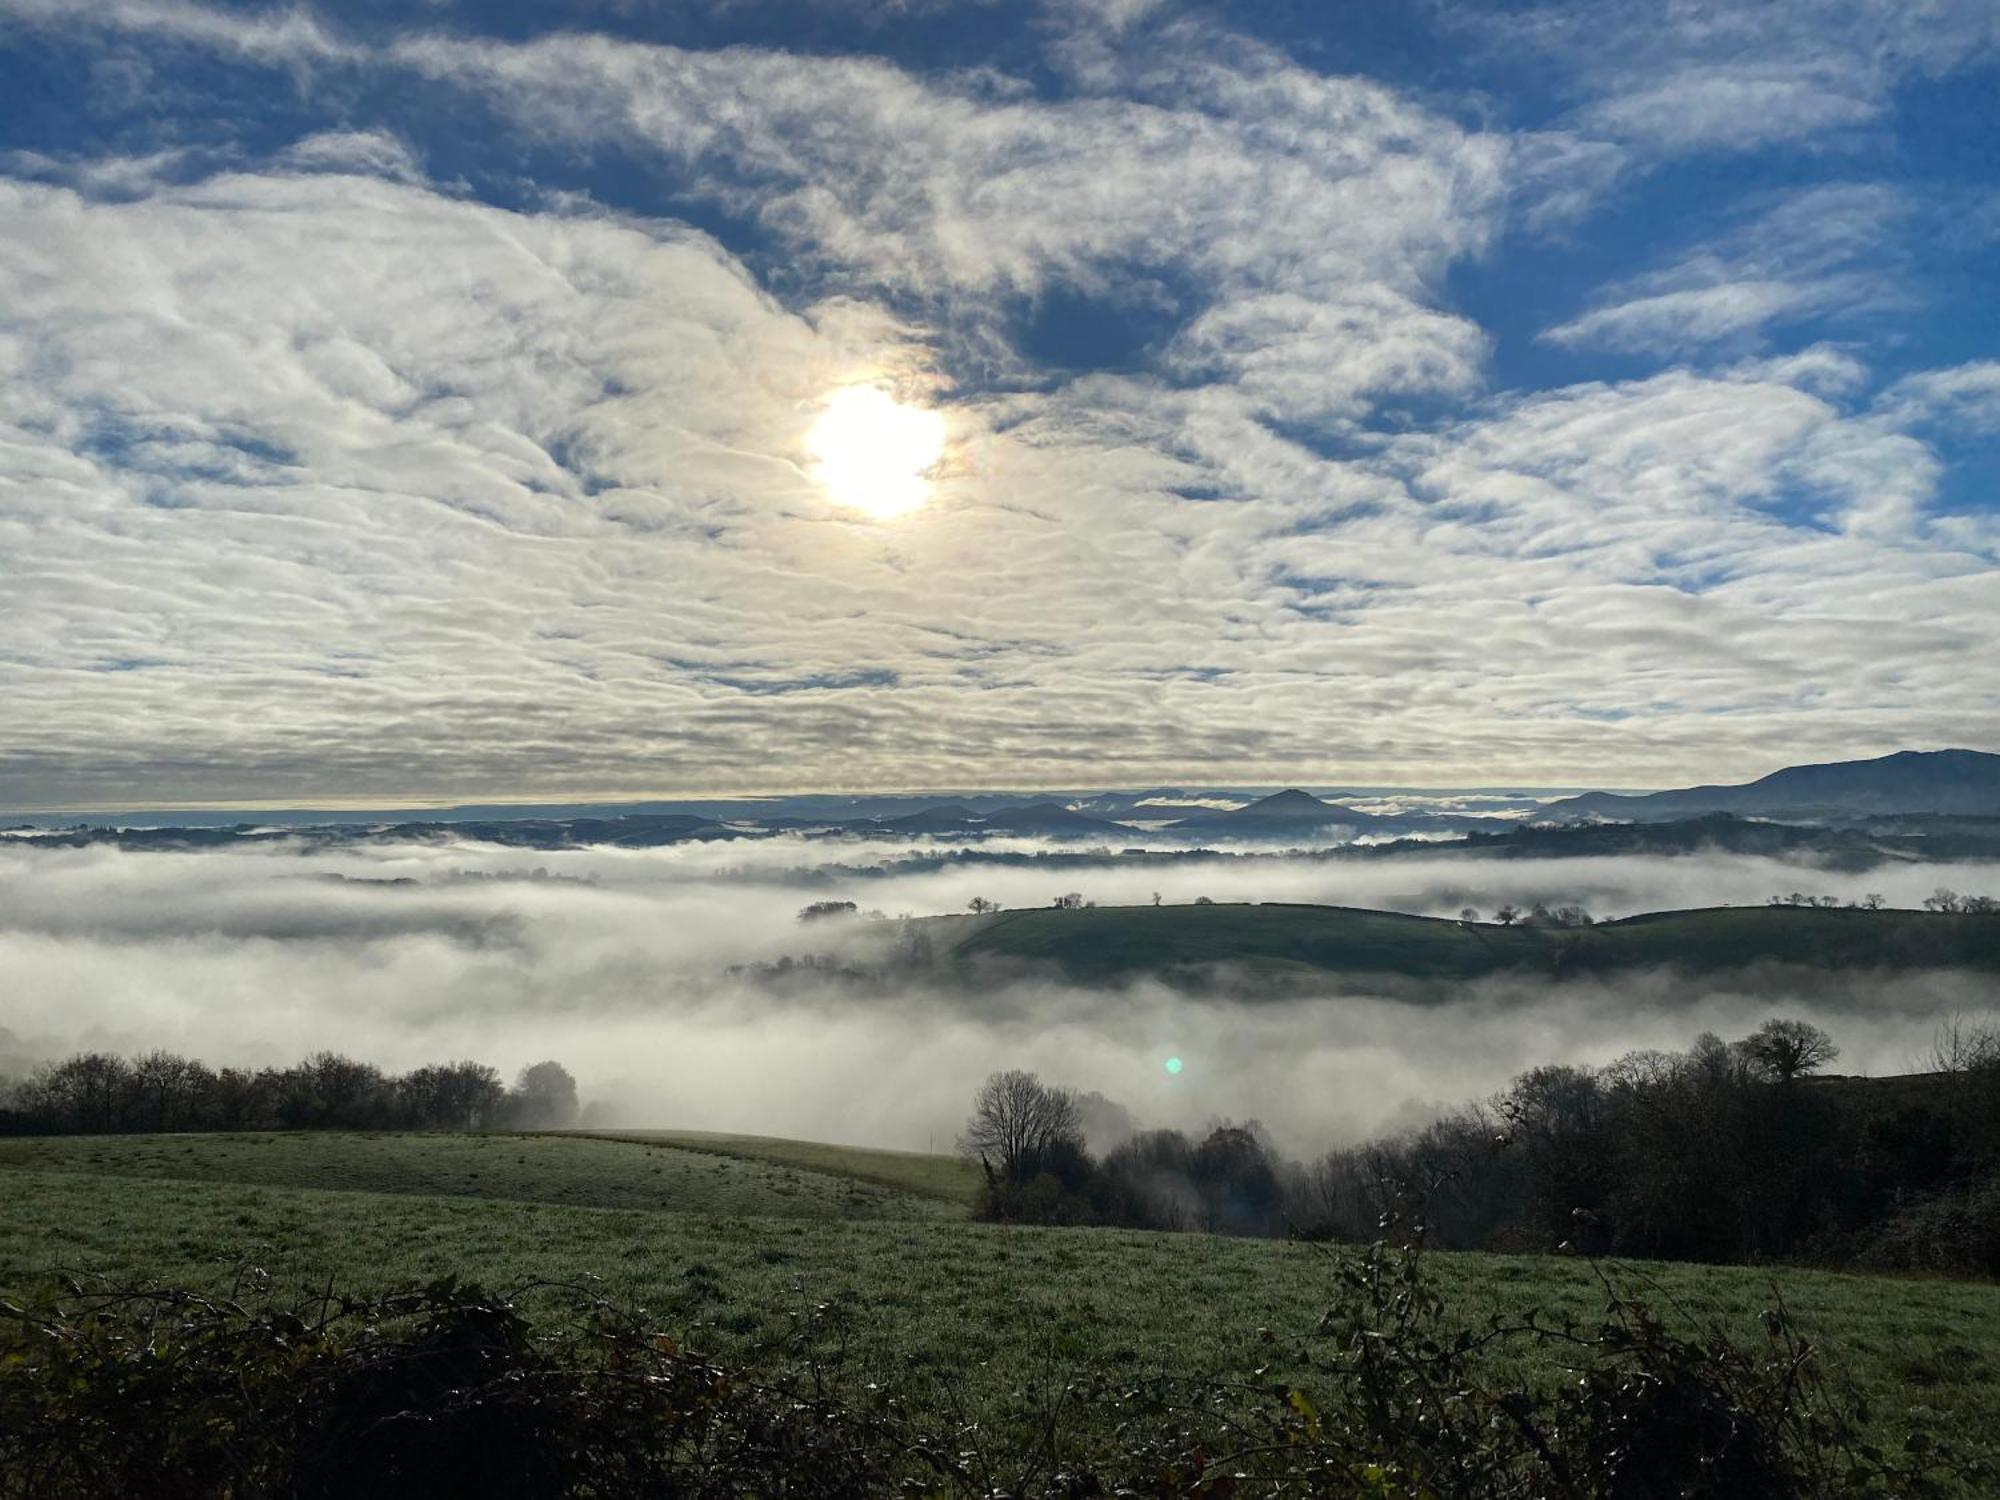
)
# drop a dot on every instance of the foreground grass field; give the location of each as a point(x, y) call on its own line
point(960, 1316)
point(1274, 940)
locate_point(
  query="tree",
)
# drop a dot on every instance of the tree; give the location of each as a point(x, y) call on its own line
point(88, 1094)
point(1017, 1120)
point(820, 910)
point(1507, 915)
point(1557, 1123)
point(1942, 899)
point(168, 1091)
point(1071, 901)
point(543, 1098)
point(242, 1100)
point(1468, 914)
point(979, 906)
point(331, 1092)
point(1787, 1049)
point(1236, 1184)
point(451, 1096)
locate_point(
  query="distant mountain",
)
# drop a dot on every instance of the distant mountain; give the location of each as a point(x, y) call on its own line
point(950, 818)
point(1287, 812)
point(1050, 818)
point(1958, 782)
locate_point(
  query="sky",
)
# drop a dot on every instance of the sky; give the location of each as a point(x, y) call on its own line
point(429, 401)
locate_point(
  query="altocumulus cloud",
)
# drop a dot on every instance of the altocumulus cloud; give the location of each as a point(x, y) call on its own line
point(329, 471)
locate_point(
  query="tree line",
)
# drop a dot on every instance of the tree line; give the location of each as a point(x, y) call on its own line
point(97, 1093)
point(1725, 1152)
point(1029, 1138)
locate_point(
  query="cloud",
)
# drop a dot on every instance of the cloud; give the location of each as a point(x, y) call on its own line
point(1298, 359)
point(617, 963)
point(1735, 75)
point(1242, 178)
point(320, 479)
point(1736, 107)
point(372, 153)
point(1966, 396)
point(1816, 253)
point(335, 483)
point(283, 34)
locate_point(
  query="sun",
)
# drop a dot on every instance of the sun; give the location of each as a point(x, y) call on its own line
point(874, 454)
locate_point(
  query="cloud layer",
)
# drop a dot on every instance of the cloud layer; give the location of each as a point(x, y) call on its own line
point(330, 473)
point(618, 963)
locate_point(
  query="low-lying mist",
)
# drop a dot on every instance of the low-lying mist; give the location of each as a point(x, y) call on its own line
point(617, 963)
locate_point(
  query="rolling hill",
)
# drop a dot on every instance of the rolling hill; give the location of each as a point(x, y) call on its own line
point(1274, 941)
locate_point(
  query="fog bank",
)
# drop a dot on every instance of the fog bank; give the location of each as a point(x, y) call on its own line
point(617, 963)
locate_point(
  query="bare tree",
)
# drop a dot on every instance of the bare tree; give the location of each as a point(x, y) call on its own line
point(1071, 901)
point(1017, 1118)
point(1788, 1049)
point(331, 1092)
point(1507, 915)
point(166, 1090)
point(1964, 1045)
point(1468, 914)
point(979, 906)
point(451, 1096)
point(1942, 899)
point(87, 1094)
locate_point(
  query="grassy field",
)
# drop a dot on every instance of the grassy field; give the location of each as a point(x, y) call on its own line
point(942, 1309)
point(578, 1170)
point(1275, 940)
point(928, 1176)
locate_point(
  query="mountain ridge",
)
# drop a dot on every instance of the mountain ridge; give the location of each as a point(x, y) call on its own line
point(1957, 782)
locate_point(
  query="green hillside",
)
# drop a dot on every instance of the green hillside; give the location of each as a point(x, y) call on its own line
point(925, 1174)
point(581, 1171)
point(1278, 940)
point(968, 1320)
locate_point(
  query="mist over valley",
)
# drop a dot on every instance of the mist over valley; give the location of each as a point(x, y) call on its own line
point(680, 985)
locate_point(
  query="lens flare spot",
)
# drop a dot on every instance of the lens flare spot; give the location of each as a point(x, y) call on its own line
point(1174, 1066)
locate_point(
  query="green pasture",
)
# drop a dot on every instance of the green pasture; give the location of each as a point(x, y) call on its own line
point(768, 1263)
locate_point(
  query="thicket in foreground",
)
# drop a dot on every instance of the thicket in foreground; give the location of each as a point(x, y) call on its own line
point(447, 1389)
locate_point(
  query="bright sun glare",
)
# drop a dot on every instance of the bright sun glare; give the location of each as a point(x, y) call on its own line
point(872, 453)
